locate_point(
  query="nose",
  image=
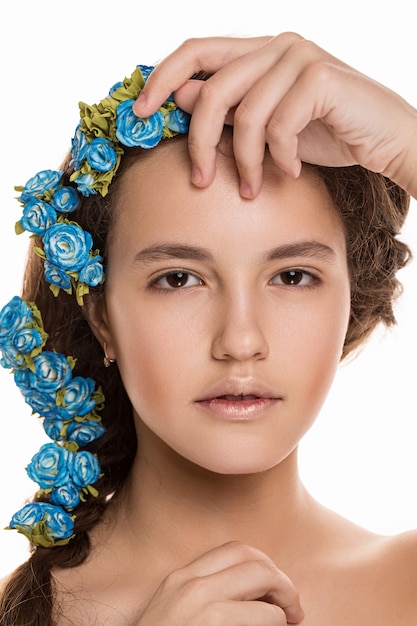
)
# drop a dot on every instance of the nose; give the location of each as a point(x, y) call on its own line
point(238, 329)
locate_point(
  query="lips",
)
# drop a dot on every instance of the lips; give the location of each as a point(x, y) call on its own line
point(236, 389)
point(239, 399)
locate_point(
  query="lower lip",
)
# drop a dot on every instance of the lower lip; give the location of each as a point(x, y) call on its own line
point(239, 410)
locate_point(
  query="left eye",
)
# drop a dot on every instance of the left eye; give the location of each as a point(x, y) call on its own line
point(292, 277)
point(176, 280)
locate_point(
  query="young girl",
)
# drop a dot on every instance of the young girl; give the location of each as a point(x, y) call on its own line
point(177, 384)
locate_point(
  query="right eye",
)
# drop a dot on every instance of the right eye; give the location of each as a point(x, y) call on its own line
point(176, 280)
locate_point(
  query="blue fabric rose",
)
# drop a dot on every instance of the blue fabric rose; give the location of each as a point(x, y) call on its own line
point(56, 276)
point(10, 357)
point(13, 316)
point(43, 524)
point(78, 147)
point(131, 130)
point(67, 246)
point(115, 87)
point(92, 273)
point(85, 432)
point(38, 215)
point(101, 155)
point(28, 516)
point(85, 184)
point(55, 429)
point(23, 378)
point(52, 371)
point(42, 403)
point(177, 120)
point(85, 469)
point(77, 400)
point(46, 181)
point(145, 70)
point(27, 339)
point(66, 199)
point(67, 496)
point(51, 466)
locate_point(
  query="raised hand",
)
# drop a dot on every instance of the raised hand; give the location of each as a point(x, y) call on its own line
point(233, 585)
point(289, 93)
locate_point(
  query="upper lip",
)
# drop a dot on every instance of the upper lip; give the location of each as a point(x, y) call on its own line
point(237, 386)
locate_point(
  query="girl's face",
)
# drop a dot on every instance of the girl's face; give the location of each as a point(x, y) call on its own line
point(226, 316)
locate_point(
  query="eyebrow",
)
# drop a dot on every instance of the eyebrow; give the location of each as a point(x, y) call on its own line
point(301, 249)
point(163, 251)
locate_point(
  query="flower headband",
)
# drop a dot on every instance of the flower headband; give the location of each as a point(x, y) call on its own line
point(70, 405)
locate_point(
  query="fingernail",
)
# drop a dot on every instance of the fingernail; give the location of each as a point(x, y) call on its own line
point(139, 103)
point(245, 190)
point(196, 175)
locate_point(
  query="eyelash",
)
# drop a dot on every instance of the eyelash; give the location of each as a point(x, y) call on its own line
point(312, 280)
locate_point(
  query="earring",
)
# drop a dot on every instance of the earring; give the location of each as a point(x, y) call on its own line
point(107, 360)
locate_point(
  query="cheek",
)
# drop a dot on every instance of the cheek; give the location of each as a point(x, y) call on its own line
point(156, 352)
point(319, 349)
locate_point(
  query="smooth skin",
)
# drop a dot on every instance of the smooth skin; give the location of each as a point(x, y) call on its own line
point(214, 527)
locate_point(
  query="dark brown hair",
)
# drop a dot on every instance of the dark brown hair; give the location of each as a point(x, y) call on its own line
point(372, 210)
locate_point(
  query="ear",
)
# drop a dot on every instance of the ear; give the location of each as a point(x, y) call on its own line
point(95, 313)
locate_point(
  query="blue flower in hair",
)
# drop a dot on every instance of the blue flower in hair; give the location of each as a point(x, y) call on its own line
point(145, 70)
point(43, 183)
point(44, 524)
point(84, 432)
point(85, 470)
point(92, 272)
point(78, 148)
point(77, 399)
point(27, 339)
point(67, 246)
point(51, 466)
point(37, 216)
point(101, 155)
point(13, 316)
point(85, 183)
point(55, 429)
point(57, 276)
point(65, 199)
point(41, 402)
point(177, 120)
point(10, 357)
point(68, 496)
point(131, 130)
point(52, 371)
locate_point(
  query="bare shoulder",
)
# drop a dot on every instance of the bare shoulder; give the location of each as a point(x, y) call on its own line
point(394, 560)
point(400, 554)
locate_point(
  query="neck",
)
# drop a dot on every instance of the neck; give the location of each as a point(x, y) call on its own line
point(169, 499)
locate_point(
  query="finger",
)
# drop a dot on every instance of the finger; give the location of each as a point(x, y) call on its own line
point(222, 557)
point(253, 613)
point(253, 115)
point(220, 94)
point(313, 97)
point(187, 95)
point(257, 580)
point(207, 53)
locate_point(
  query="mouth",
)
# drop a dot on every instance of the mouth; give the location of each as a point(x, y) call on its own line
point(239, 398)
point(240, 407)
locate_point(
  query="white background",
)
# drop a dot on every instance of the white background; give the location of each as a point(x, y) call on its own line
point(359, 458)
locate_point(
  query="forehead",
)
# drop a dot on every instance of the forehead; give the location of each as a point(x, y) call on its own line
point(155, 193)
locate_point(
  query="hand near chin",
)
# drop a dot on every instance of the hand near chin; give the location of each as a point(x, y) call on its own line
point(233, 585)
point(288, 93)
